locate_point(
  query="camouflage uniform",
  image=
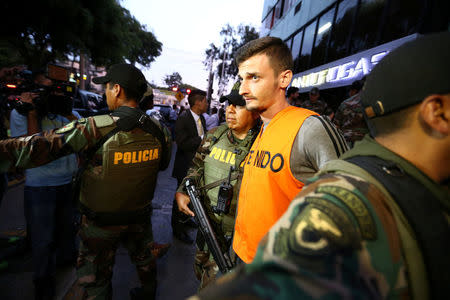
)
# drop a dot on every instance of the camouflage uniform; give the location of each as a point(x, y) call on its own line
point(349, 119)
point(337, 240)
point(98, 241)
point(205, 267)
point(320, 107)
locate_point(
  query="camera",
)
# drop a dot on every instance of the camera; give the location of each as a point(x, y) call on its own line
point(56, 98)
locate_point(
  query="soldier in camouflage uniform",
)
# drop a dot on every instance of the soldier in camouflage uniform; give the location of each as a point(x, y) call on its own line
point(316, 104)
point(117, 185)
point(374, 224)
point(349, 116)
point(223, 147)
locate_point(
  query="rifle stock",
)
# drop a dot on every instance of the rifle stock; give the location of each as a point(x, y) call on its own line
point(222, 259)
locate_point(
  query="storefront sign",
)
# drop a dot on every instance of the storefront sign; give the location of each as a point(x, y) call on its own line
point(344, 71)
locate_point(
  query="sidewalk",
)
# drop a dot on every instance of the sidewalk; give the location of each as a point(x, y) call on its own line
point(176, 278)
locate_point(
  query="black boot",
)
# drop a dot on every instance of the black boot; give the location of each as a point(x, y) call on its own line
point(140, 293)
point(44, 288)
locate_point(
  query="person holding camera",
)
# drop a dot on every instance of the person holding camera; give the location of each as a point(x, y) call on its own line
point(49, 210)
point(223, 147)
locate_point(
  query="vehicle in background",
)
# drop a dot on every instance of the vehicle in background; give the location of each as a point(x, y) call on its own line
point(89, 104)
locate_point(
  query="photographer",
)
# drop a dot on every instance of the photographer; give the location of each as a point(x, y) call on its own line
point(49, 210)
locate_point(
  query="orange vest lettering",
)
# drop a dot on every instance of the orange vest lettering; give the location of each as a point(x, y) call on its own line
point(268, 185)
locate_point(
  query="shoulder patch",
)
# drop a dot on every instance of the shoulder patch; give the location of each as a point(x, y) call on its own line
point(320, 228)
point(68, 127)
point(103, 121)
point(356, 206)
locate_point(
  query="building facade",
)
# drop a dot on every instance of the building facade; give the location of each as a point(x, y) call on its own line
point(335, 42)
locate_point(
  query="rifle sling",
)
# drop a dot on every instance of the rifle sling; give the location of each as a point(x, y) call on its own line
point(425, 215)
point(218, 182)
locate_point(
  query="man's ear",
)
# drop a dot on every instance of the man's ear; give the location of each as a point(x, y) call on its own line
point(435, 112)
point(116, 90)
point(285, 78)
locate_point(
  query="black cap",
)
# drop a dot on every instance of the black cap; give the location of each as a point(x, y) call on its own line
point(407, 75)
point(233, 98)
point(125, 75)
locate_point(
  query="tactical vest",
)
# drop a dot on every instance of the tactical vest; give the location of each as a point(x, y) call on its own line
point(268, 185)
point(424, 235)
point(223, 154)
point(122, 187)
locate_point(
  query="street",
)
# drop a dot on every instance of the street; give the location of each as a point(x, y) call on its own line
point(176, 278)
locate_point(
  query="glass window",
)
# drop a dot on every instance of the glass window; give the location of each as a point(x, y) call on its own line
point(367, 25)
point(402, 20)
point(307, 46)
point(341, 29)
point(322, 37)
point(287, 5)
point(295, 50)
point(277, 12)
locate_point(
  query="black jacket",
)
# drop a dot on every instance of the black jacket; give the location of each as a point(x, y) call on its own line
point(187, 139)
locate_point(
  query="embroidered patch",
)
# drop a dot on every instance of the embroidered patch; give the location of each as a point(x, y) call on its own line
point(357, 207)
point(66, 128)
point(319, 228)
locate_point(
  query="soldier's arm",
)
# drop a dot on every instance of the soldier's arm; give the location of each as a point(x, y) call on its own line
point(44, 147)
point(317, 250)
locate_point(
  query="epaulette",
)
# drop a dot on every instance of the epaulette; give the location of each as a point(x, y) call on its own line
point(103, 121)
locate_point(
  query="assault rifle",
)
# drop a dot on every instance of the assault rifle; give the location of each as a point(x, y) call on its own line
point(222, 259)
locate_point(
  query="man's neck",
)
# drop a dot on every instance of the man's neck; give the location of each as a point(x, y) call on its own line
point(270, 113)
point(425, 153)
point(240, 134)
point(196, 110)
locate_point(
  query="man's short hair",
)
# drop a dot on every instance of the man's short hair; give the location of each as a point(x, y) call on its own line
point(291, 90)
point(196, 95)
point(129, 94)
point(278, 52)
point(356, 85)
point(390, 123)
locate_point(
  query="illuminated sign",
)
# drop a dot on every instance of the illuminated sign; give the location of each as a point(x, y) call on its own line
point(344, 71)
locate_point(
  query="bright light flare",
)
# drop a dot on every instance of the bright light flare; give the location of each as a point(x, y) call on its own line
point(324, 27)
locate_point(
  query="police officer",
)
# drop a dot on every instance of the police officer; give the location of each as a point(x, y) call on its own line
point(374, 225)
point(117, 184)
point(223, 147)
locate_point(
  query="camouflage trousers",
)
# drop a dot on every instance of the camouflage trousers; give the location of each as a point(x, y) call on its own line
point(205, 268)
point(98, 247)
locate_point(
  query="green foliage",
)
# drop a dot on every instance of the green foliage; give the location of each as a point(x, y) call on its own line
point(234, 38)
point(173, 80)
point(47, 30)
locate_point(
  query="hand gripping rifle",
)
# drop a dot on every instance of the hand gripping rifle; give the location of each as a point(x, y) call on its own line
point(222, 259)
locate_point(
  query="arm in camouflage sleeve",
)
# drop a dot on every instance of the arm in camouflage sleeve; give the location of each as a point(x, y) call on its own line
point(42, 148)
point(331, 243)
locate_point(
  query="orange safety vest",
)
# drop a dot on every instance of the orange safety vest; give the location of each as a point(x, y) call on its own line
point(268, 185)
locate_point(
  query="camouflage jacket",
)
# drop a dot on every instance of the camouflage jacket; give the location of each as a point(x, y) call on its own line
point(320, 107)
point(349, 119)
point(337, 240)
point(44, 147)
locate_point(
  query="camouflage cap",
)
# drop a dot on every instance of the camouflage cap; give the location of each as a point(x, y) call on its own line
point(407, 75)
